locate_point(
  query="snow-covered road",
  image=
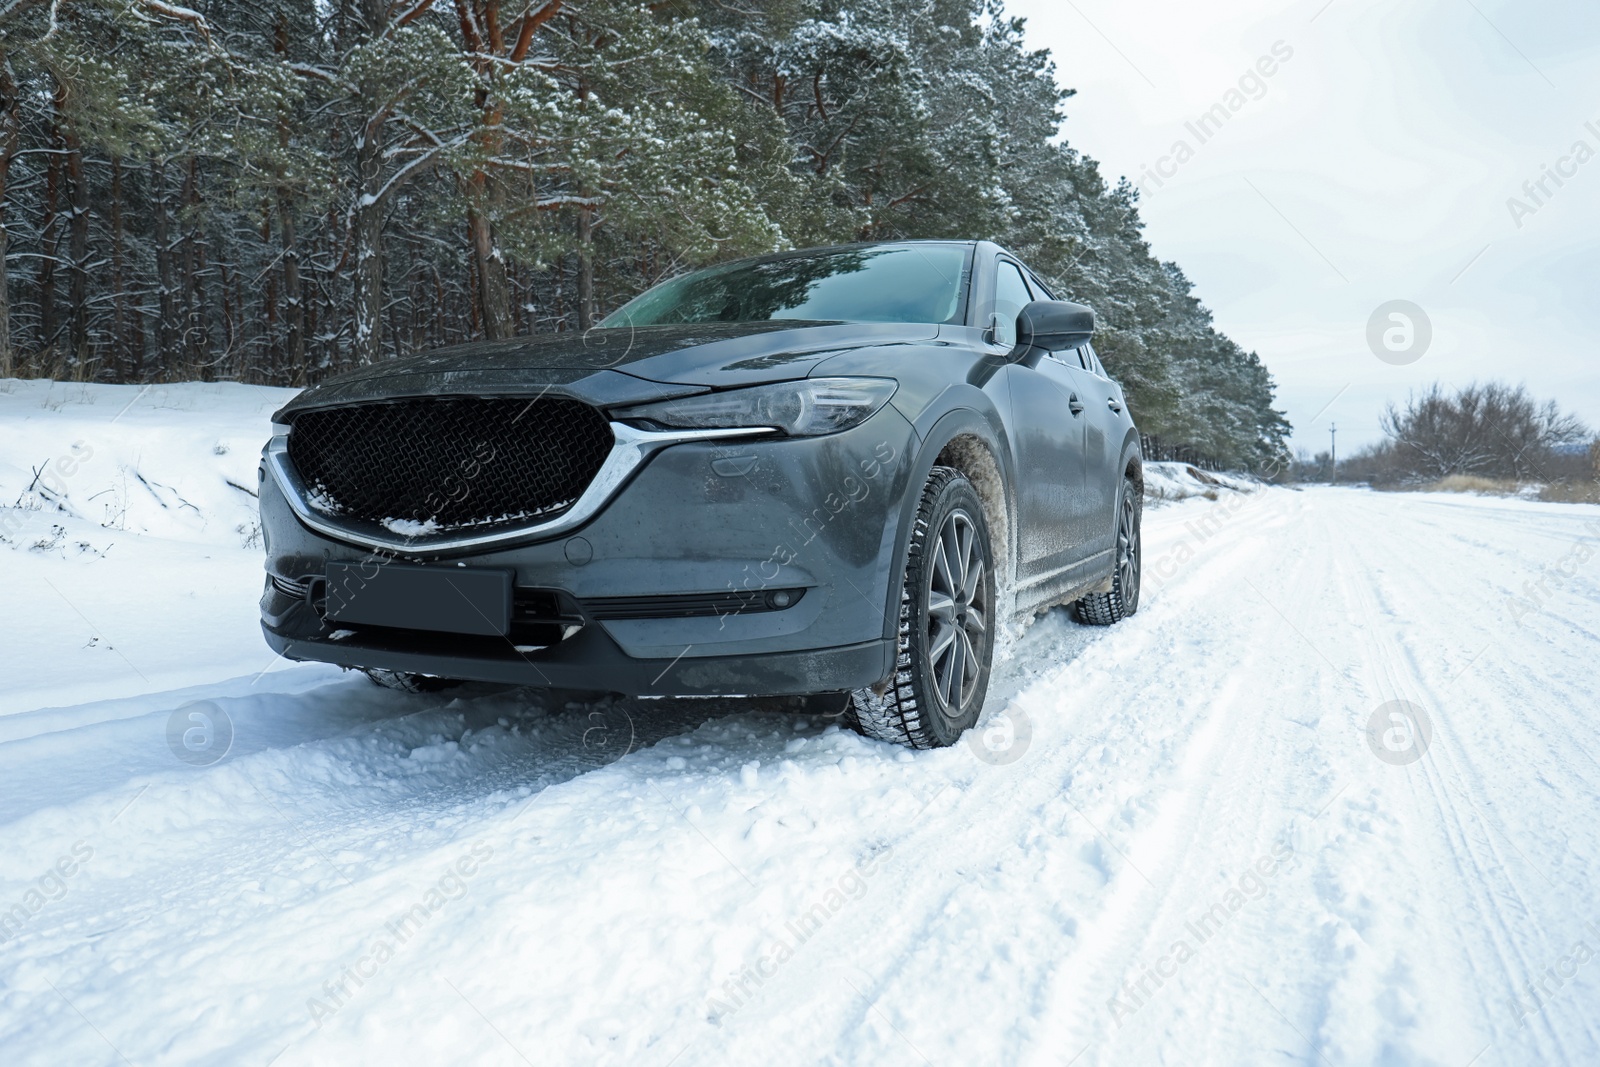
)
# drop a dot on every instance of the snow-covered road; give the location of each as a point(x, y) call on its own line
point(1193, 851)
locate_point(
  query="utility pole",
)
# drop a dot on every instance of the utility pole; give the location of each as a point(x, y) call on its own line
point(1333, 453)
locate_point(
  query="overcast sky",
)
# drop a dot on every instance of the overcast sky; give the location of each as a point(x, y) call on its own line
point(1373, 164)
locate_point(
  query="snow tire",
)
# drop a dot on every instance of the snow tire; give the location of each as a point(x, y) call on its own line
point(946, 630)
point(407, 682)
point(1103, 609)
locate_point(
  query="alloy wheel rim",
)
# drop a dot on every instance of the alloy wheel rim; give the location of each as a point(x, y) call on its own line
point(958, 613)
point(1127, 554)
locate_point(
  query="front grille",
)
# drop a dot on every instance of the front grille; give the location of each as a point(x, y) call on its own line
point(426, 466)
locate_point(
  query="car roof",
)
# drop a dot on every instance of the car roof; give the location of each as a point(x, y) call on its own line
point(774, 257)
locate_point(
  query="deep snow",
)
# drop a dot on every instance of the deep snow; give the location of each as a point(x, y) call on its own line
point(1173, 841)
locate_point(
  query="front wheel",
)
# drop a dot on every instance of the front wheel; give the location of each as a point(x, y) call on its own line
point(946, 627)
point(406, 681)
point(1103, 609)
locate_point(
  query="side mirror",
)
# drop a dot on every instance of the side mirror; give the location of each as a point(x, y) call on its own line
point(1054, 325)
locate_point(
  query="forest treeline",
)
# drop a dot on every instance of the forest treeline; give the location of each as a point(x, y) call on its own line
point(277, 190)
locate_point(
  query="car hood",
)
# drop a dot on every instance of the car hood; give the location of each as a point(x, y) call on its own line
point(597, 366)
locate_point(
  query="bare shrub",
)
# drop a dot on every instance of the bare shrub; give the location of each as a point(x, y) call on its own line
point(1581, 492)
point(1472, 483)
point(1489, 430)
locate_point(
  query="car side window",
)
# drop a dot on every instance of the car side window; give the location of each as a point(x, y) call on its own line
point(1011, 295)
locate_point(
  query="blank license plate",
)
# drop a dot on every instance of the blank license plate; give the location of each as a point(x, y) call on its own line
point(455, 600)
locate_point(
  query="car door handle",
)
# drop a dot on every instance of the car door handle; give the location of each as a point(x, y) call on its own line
point(1111, 402)
point(1073, 405)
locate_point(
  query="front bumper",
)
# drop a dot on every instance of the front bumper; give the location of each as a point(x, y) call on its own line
point(592, 660)
point(812, 514)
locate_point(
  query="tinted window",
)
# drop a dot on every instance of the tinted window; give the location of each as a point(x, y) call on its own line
point(1011, 295)
point(888, 283)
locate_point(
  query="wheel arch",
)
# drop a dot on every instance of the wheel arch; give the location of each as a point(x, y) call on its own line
point(965, 440)
point(1131, 465)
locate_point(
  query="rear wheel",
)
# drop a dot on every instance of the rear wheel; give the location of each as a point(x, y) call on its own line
point(1103, 609)
point(946, 626)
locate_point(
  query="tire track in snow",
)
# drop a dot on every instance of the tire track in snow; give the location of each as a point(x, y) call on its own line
point(1475, 847)
point(1147, 636)
point(1228, 825)
point(1365, 1024)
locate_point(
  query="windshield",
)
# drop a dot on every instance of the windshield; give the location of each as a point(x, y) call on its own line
point(885, 283)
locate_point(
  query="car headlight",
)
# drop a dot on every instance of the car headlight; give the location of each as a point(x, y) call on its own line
point(801, 409)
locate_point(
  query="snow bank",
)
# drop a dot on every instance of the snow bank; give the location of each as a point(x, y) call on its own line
point(128, 529)
point(173, 461)
point(1166, 481)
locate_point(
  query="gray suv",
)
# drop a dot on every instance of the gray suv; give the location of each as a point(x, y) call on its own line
point(834, 471)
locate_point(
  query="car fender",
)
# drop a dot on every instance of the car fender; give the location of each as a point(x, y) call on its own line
point(1132, 450)
point(988, 429)
point(1132, 447)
